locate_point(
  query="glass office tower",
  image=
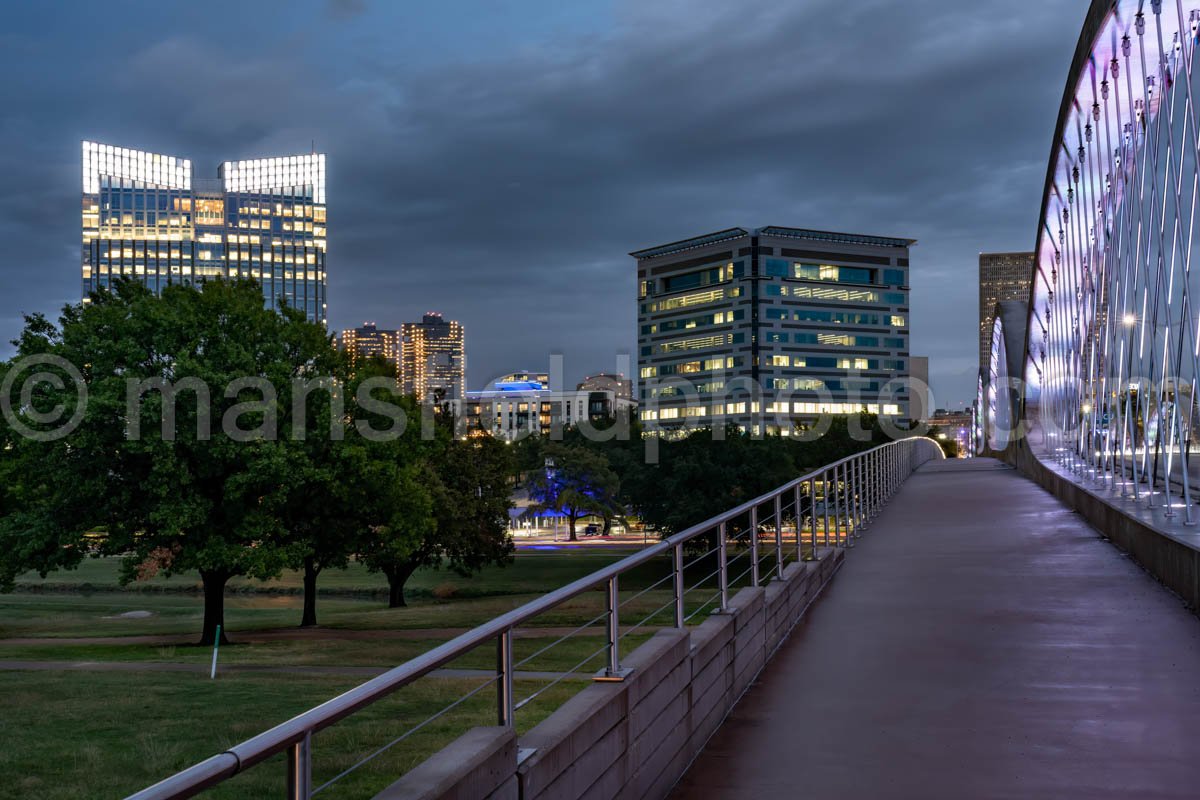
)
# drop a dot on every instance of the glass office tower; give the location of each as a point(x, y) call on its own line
point(770, 328)
point(1002, 276)
point(146, 216)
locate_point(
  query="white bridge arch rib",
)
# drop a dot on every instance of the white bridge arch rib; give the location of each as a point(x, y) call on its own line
point(1112, 346)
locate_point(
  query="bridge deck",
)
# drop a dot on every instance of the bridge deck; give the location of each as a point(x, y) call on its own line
point(980, 642)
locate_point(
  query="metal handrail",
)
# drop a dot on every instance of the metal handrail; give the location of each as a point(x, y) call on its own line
point(889, 464)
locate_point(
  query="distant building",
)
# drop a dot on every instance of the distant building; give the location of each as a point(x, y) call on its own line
point(620, 386)
point(369, 341)
point(146, 217)
point(953, 425)
point(1002, 276)
point(818, 320)
point(433, 359)
point(918, 394)
point(526, 376)
point(513, 409)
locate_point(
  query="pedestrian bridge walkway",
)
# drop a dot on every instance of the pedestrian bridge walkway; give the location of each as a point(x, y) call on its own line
point(981, 642)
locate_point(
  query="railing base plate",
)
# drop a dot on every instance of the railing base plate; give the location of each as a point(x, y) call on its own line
point(604, 676)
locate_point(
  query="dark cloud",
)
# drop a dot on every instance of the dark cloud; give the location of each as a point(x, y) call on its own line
point(503, 185)
point(341, 9)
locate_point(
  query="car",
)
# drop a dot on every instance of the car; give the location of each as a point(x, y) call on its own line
point(592, 530)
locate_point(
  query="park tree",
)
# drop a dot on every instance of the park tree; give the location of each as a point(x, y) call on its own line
point(50, 499)
point(320, 516)
point(468, 486)
point(576, 482)
point(360, 492)
point(26, 484)
point(177, 461)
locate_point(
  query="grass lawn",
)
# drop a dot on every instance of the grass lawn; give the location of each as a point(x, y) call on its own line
point(60, 615)
point(104, 735)
point(89, 601)
point(380, 653)
point(529, 572)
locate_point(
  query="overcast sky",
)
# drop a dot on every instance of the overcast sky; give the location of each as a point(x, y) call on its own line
point(496, 161)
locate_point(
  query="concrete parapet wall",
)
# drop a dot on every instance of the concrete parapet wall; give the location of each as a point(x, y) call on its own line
point(478, 765)
point(635, 738)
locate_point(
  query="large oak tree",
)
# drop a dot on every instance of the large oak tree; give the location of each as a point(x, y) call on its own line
point(178, 463)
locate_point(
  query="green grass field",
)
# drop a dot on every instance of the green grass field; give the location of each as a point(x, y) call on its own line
point(70, 735)
point(106, 732)
point(530, 571)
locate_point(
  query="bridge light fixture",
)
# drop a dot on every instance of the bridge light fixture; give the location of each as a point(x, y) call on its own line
point(1130, 320)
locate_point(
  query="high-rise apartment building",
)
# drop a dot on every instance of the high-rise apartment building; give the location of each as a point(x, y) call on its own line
point(1002, 276)
point(433, 361)
point(369, 341)
point(146, 216)
point(769, 328)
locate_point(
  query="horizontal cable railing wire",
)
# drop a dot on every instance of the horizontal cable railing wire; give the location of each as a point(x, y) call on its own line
point(856, 485)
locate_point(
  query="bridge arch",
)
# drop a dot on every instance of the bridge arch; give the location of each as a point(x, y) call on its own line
point(1112, 346)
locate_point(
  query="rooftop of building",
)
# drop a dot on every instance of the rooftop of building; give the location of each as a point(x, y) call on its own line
point(777, 231)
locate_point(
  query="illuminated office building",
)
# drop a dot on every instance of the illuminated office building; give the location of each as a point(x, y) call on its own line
point(146, 216)
point(617, 385)
point(369, 341)
point(1002, 276)
point(769, 328)
point(516, 406)
point(433, 361)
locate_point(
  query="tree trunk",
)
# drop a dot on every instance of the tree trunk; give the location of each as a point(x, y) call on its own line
point(311, 571)
point(571, 528)
point(608, 520)
point(214, 606)
point(397, 577)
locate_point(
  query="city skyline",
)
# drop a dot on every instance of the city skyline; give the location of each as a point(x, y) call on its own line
point(512, 179)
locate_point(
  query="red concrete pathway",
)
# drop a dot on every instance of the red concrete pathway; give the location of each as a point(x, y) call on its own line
point(980, 642)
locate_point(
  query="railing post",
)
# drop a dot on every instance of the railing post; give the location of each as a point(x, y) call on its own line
point(614, 629)
point(504, 684)
point(299, 782)
point(837, 508)
point(812, 523)
point(877, 459)
point(679, 585)
point(723, 566)
point(860, 517)
point(869, 486)
point(867, 503)
point(848, 503)
point(825, 506)
point(799, 497)
point(778, 537)
point(896, 468)
point(754, 546)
